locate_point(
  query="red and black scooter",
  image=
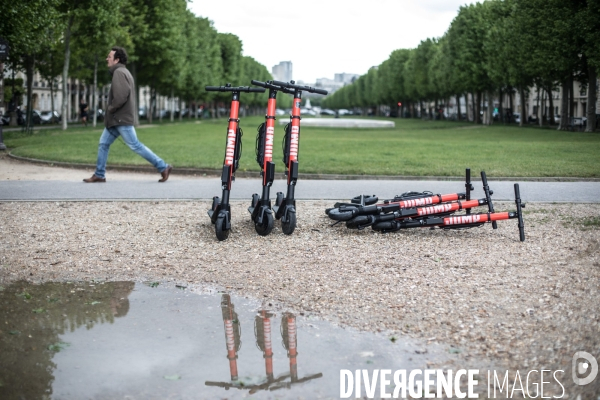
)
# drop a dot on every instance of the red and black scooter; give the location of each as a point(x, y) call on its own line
point(285, 207)
point(260, 208)
point(461, 221)
point(220, 212)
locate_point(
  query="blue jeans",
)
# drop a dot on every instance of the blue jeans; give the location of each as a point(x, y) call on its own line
point(127, 132)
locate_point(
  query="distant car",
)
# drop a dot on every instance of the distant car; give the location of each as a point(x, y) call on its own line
point(50, 117)
point(517, 117)
point(327, 111)
point(36, 117)
point(142, 112)
point(343, 111)
point(306, 111)
point(19, 114)
point(279, 111)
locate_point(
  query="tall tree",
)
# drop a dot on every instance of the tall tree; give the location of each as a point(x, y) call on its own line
point(25, 25)
point(98, 27)
point(158, 54)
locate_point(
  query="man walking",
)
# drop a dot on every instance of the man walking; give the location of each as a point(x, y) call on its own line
point(120, 117)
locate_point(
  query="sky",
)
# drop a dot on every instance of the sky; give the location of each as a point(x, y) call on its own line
point(325, 37)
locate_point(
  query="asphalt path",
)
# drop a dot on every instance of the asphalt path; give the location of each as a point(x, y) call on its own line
point(26, 181)
point(147, 188)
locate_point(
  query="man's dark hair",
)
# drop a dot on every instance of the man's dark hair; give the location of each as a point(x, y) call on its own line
point(121, 54)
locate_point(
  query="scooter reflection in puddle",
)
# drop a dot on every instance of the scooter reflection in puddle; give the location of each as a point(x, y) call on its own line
point(262, 331)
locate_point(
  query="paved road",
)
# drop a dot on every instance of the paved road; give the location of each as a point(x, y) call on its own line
point(206, 188)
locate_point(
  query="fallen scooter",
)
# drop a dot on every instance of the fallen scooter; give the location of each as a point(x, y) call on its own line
point(421, 207)
point(460, 221)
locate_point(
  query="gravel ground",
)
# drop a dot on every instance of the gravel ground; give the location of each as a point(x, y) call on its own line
point(493, 300)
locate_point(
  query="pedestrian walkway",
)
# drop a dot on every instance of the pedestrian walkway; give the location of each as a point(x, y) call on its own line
point(20, 181)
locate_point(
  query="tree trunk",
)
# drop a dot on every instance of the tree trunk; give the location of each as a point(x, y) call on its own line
point(65, 75)
point(543, 109)
point(77, 99)
point(172, 105)
point(159, 107)
point(490, 109)
point(458, 107)
point(523, 106)
point(52, 100)
point(473, 107)
point(571, 98)
point(180, 110)
point(94, 91)
point(150, 110)
point(537, 104)
point(511, 104)
point(478, 107)
point(136, 115)
point(500, 105)
point(29, 72)
point(564, 106)
point(591, 100)
point(551, 105)
point(544, 106)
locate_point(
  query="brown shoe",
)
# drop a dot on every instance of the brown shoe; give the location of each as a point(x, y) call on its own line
point(94, 179)
point(165, 174)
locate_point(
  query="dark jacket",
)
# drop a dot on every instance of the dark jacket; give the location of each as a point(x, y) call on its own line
point(121, 98)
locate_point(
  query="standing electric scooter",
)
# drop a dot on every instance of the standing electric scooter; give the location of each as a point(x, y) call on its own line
point(220, 213)
point(285, 207)
point(260, 208)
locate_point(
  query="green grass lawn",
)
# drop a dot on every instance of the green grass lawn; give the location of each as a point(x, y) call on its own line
point(413, 147)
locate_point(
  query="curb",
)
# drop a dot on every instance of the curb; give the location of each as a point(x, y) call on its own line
point(256, 174)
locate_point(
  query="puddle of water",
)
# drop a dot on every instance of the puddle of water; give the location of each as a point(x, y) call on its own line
point(125, 340)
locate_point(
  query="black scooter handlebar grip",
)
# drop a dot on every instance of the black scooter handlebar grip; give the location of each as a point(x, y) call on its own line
point(255, 89)
point(213, 88)
point(300, 87)
point(258, 83)
point(285, 84)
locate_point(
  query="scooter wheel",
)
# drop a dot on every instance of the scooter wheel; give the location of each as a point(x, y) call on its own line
point(288, 226)
point(215, 204)
point(264, 228)
point(337, 215)
point(367, 199)
point(220, 230)
point(358, 221)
